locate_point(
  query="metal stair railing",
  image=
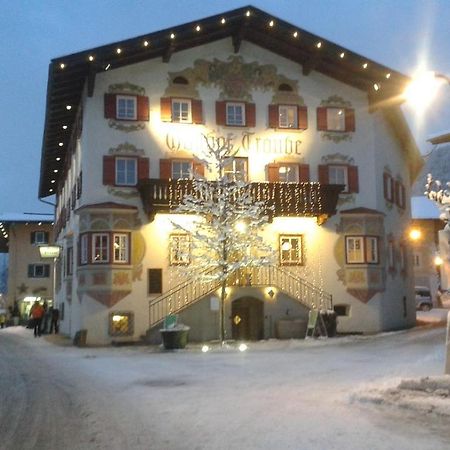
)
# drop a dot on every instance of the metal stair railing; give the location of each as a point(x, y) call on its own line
point(190, 291)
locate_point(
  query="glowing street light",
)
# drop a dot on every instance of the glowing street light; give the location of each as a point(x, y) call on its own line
point(423, 89)
point(415, 234)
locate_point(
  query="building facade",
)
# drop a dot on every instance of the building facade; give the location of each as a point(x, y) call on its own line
point(314, 128)
point(29, 277)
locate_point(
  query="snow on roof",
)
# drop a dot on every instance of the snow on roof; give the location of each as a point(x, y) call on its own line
point(423, 208)
point(26, 217)
point(440, 138)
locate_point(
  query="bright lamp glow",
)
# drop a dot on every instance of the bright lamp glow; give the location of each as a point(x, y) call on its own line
point(438, 261)
point(415, 234)
point(422, 90)
point(241, 227)
point(205, 349)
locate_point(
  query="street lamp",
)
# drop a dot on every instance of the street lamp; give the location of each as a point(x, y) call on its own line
point(422, 89)
point(51, 252)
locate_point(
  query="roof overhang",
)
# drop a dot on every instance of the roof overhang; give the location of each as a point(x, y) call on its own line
point(71, 74)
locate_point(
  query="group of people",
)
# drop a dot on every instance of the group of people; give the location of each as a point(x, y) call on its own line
point(41, 317)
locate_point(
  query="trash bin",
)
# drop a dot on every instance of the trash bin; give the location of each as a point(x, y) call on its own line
point(174, 338)
point(80, 338)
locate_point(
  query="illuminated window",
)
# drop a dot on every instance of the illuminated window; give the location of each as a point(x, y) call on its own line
point(181, 170)
point(361, 249)
point(287, 116)
point(288, 173)
point(335, 119)
point(291, 251)
point(237, 169)
point(100, 247)
point(121, 250)
point(126, 107)
point(121, 323)
point(235, 114)
point(179, 249)
point(181, 110)
point(126, 171)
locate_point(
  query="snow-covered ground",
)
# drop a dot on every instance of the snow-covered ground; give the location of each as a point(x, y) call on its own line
point(344, 393)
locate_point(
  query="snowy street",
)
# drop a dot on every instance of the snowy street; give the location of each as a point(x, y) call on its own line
point(276, 395)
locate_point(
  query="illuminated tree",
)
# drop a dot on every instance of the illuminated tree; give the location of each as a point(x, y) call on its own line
point(226, 235)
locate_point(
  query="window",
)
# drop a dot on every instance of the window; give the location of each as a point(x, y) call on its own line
point(121, 323)
point(416, 259)
point(338, 175)
point(126, 171)
point(235, 114)
point(38, 270)
point(121, 250)
point(154, 281)
point(291, 251)
point(342, 310)
point(335, 119)
point(181, 110)
point(121, 171)
point(69, 261)
point(288, 173)
point(39, 237)
point(84, 249)
point(181, 169)
point(179, 249)
point(126, 107)
point(388, 187)
point(287, 116)
point(400, 194)
point(100, 247)
point(361, 249)
point(237, 169)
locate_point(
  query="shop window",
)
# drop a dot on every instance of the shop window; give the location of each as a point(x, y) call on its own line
point(237, 169)
point(361, 249)
point(121, 323)
point(179, 249)
point(291, 249)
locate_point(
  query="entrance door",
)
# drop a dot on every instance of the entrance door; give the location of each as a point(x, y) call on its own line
point(247, 317)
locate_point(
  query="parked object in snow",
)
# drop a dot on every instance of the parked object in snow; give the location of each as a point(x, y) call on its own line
point(423, 298)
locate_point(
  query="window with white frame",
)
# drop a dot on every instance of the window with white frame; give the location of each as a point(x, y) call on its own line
point(291, 250)
point(126, 171)
point(237, 169)
point(179, 249)
point(181, 169)
point(126, 107)
point(338, 175)
point(335, 119)
point(84, 249)
point(181, 110)
point(235, 114)
point(361, 249)
point(288, 173)
point(100, 247)
point(287, 116)
point(121, 248)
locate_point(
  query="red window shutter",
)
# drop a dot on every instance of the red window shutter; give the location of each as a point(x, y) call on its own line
point(349, 119)
point(353, 184)
point(142, 108)
point(199, 169)
point(302, 114)
point(303, 173)
point(165, 169)
point(166, 109)
point(250, 115)
point(273, 116)
point(322, 119)
point(221, 116)
point(273, 173)
point(143, 168)
point(385, 185)
point(109, 170)
point(323, 174)
point(110, 106)
point(197, 111)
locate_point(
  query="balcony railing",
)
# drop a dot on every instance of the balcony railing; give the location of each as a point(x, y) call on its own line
point(287, 199)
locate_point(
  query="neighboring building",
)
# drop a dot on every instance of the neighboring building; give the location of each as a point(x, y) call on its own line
point(308, 119)
point(424, 235)
point(30, 277)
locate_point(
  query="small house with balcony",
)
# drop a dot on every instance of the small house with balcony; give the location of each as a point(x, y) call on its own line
point(317, 132)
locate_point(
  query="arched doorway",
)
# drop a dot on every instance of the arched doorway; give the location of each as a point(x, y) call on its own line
point(247, 318)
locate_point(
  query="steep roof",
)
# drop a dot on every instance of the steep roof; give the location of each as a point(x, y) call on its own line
point(68, 75)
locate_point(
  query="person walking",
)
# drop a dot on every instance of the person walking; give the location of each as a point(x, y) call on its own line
point(54, 316)
point(37, 313)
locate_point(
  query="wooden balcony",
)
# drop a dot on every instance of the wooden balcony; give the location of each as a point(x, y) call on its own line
point(288, 199)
